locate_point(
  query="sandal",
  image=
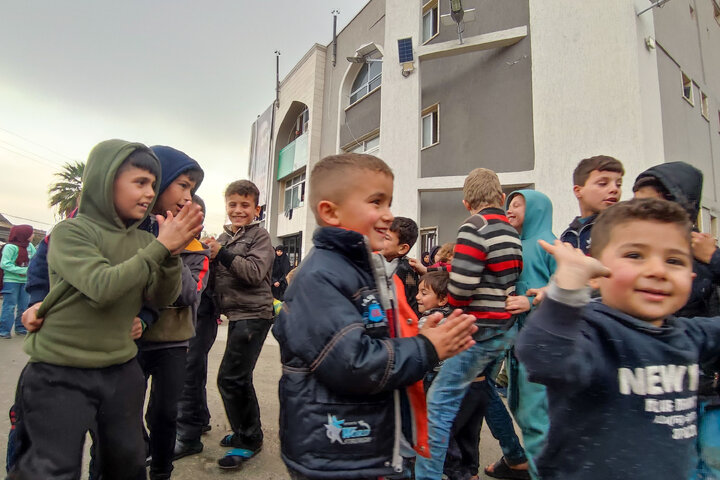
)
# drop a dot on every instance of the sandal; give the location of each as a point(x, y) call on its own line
point(227, 440)
point(236, 457)
point(501, 469)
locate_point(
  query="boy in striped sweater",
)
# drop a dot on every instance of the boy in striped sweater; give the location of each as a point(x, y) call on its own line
point(486, 265)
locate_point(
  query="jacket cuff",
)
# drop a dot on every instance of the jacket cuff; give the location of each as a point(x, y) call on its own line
point(430, 349)
point(148, 316)
point(572, 298)
point(225, 257)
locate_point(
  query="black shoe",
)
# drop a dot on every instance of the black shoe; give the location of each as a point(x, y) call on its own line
point(184, 449)
point(206, 428)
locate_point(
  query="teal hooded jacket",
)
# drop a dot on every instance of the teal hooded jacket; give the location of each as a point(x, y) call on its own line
point(538, 265)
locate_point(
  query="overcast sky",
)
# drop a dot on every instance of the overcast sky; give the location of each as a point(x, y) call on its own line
point(186, 73)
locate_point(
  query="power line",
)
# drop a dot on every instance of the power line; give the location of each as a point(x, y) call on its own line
point(26, 219)
point(40, 145)
point(41, 160)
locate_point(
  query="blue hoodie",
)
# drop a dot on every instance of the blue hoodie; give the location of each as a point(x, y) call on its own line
point(538, 265)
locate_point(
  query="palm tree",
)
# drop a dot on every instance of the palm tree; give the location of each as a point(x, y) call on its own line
point(66, 192)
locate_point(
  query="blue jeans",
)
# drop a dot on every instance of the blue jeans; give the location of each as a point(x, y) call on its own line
point(708, 443)
point(501, 426)
point(15, 302)
point(447, 392)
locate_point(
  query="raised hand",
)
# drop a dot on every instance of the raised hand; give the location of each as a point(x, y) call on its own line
point(177, 232)
point(574, 268)
point(703, 246)
point(453, 336)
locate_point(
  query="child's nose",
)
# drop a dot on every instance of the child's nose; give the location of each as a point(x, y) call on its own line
point(656, 267)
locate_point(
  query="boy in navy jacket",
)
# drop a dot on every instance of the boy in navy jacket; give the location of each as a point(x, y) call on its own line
point(621, 372)
point(343, 408)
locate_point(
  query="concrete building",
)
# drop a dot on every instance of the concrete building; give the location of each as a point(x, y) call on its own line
point(535, 86)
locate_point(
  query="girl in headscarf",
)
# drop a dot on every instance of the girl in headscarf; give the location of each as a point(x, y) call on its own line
point(281, 267)
point(16, 256)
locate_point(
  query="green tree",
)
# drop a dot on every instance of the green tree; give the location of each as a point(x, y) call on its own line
point(64, 194)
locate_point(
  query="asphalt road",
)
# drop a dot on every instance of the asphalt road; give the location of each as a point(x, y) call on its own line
point(266, 466)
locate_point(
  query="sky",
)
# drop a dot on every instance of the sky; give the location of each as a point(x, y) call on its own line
point(186, 73)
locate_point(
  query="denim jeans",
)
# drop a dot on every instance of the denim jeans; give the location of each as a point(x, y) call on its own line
point(447, 392)
point(15, 302)
point(501, 426)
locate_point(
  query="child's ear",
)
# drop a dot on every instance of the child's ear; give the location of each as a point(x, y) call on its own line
point(577, 190)
point(467, 207)
point(404, 249)
point(327, 211)
point(442, 300)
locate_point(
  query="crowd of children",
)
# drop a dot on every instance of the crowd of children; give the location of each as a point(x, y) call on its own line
point(610, 335)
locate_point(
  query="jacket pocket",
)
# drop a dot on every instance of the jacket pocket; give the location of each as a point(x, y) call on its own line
point(175, 324)
point(322, 430)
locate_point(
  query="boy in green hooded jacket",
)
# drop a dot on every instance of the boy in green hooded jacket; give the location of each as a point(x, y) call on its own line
point(82, 371)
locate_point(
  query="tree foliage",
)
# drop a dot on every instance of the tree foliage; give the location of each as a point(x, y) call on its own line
point(64, 193)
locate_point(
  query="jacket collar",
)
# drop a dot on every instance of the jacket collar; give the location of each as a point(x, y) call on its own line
point(351, 244)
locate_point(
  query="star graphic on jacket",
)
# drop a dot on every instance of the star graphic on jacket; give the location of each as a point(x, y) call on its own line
point(334, 429)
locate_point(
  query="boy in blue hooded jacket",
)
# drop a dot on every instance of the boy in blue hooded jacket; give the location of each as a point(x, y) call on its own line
point(530, 212)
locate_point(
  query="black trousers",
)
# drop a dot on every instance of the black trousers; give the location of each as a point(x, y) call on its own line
point(463, 460)
point(58, 405)
point(166, 366)
point(193, 412)
point(235, 380)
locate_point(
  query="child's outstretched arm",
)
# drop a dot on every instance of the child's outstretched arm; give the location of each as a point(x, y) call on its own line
point(551, 345)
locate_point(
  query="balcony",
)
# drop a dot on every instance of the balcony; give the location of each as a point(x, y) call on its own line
point(293, 157)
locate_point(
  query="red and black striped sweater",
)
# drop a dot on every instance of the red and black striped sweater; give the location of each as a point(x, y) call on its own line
point(486, 265)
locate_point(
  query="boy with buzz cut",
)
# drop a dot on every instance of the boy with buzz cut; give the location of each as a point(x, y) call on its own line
point(243, 256)
point(622, 371)
point(82, 372)
point(597, 185)
point(399, 239)
point(344, 409)
point(486, 264)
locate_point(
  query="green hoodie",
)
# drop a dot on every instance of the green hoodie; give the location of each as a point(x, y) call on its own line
point(101, 272)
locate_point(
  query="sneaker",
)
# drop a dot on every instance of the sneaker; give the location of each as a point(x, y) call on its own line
point(21, 332)
point(6, 336)
point(184, 449)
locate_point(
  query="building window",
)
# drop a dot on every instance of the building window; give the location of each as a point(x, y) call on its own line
point(368, 79)
point(431, 126)
point(302, 122)
point(430, 21)
point(370, 146)
point(295, 192)
point(687, 88)
point(704, 107)
point(428, 239)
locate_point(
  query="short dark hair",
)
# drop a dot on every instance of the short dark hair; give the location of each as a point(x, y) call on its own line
point(601, 163)
point(438, 281)
point(332, 176)
point(195, 175)
point(653, 182)
point(143, 159)
point(199, 201)
point(648, 209)
point(406, 230)
point(244, 188)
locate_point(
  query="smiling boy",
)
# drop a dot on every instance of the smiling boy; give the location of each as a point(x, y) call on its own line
point(345, 411)
point(597, 185)
point(82, 372)
point(243, 257)
point(621, 373)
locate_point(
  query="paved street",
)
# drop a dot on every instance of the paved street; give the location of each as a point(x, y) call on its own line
point(267, 466)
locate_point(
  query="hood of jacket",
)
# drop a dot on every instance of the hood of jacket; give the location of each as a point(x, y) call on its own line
point(538, 265)
point(97, 195)
point(682, 181)
point(173, 163)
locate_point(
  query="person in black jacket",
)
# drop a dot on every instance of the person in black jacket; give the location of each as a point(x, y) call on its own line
point(344, 407)
point(622, 372)
point(280, 268)
point(682, 183)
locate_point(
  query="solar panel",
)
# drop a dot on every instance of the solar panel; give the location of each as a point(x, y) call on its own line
point(405, 50)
